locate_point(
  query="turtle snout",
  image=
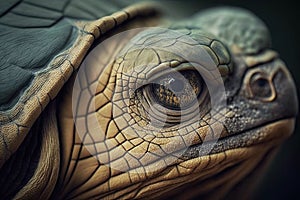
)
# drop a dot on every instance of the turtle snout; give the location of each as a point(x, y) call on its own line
point(272, 83)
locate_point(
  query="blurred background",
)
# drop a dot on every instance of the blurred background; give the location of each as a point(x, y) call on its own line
point(282, 179)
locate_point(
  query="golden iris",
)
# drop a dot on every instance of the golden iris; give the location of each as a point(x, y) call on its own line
point(177, 90)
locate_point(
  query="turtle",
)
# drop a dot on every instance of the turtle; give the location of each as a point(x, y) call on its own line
point(108, 100)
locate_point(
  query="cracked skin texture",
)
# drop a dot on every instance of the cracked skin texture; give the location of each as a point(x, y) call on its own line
point(77, 131)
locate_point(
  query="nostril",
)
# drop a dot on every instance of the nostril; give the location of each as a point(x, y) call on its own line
point(261, 83)
point(271, 86)
point(261, 88)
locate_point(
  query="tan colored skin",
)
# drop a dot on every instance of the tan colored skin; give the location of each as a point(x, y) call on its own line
point(43, 181)
point(16, 123)
point(159, 183)
point(69, 170)
point(82, 176)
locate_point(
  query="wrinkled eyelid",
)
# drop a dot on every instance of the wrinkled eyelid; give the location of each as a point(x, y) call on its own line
point(150, 74)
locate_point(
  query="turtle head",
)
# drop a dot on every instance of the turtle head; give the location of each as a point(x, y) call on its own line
point(159, 110)
point(175, 104)
point(95, 107)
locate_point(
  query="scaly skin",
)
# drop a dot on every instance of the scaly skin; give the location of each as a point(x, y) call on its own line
point(112, 132)
point(114, 150)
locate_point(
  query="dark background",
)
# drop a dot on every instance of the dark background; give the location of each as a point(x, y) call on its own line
point(282, 18)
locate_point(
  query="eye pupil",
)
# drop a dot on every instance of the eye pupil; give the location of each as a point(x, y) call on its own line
point(176, 85)
point(177, 91)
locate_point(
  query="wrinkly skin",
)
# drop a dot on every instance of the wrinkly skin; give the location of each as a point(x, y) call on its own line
point(102, 133)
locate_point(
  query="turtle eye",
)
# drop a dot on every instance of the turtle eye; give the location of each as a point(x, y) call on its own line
point(260, 86)
point(171, 98)
point(177, 91)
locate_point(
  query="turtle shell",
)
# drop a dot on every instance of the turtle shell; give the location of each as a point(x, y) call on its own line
point(42, 44)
